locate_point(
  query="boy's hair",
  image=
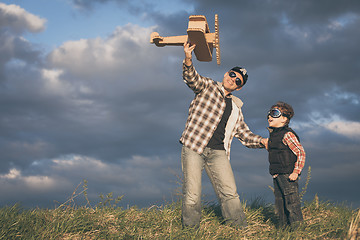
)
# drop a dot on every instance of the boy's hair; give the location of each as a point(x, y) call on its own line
point(286, 109)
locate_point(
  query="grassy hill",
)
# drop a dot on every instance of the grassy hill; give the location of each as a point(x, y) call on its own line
point(107, 221)
point(322, 220)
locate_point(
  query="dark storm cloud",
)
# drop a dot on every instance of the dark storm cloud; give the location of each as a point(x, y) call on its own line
point(87, 4)
point(90, 108)
point(132, 100)
point(17, 97)
point(304, 50)
point(304, 53)
point(134, 7)
point(111, 110)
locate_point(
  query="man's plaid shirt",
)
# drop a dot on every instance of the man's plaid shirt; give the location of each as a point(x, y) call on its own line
point(205, 113)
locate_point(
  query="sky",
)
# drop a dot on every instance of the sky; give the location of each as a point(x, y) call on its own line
point(85, 96)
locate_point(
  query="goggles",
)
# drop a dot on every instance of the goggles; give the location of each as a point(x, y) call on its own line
point(237, 80)
point(276, 113)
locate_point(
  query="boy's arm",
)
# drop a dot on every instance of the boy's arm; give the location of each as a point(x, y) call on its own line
point(293, 143)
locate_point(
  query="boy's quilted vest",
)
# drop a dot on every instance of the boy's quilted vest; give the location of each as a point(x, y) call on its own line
point(281, 158)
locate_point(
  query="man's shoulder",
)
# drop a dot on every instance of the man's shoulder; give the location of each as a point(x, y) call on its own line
point(237, 101)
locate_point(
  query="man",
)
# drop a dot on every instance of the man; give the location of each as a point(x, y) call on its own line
point(215, 117)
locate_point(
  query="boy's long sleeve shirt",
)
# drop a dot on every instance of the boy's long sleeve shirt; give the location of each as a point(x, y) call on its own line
point(293, 143)
point(205, 113)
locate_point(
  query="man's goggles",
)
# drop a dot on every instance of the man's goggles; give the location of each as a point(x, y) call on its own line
point(237, 80)
point(276, 113)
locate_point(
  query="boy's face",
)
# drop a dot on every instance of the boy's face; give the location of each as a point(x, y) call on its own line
point(277, 122)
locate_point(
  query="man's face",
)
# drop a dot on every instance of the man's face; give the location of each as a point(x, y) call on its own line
point(229, 83)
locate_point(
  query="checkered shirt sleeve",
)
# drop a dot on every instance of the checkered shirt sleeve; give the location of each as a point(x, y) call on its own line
point(204, 111)
point(293, 143)
point(246, 137)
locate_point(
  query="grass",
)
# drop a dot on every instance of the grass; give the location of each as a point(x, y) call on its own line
point(322, 220)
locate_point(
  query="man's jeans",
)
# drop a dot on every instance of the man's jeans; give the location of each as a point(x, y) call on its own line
point(287, 200)
point(218, 168)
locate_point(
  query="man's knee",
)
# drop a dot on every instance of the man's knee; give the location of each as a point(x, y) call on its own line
point(191, 199)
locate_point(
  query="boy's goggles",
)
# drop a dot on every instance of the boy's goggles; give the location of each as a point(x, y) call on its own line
point(276, 113)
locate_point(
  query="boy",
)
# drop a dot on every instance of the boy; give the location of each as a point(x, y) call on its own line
point(287, 159)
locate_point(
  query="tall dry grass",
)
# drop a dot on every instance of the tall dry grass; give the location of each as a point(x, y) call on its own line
point(106, 220)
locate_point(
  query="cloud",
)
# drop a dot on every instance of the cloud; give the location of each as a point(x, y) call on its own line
point(134, 7)
point(33, 183)
point(131, 178)
point(111, 109)
point(88, 4)
point(82, 101)
point(86, 57)
point(15, 49)
point(18, 20)
point(13, 173)
point(346, 128)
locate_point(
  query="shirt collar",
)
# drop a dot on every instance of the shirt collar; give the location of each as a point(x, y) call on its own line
point(275, 129)
point(235, 99)
point(222, 89)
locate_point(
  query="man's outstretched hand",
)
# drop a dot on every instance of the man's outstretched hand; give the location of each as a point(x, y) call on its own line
point(265, 142)
point(188, 49)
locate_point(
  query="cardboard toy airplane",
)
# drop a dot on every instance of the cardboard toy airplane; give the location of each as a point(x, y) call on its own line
point(198, 32)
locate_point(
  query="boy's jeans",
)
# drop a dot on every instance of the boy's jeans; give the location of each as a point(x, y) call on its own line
point(287, 200)
point(218, 168)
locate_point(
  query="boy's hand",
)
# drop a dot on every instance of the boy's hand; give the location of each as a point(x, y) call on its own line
point(293, 176)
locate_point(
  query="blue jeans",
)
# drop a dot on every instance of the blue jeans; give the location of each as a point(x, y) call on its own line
point(218, 168)
point(287, 200)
